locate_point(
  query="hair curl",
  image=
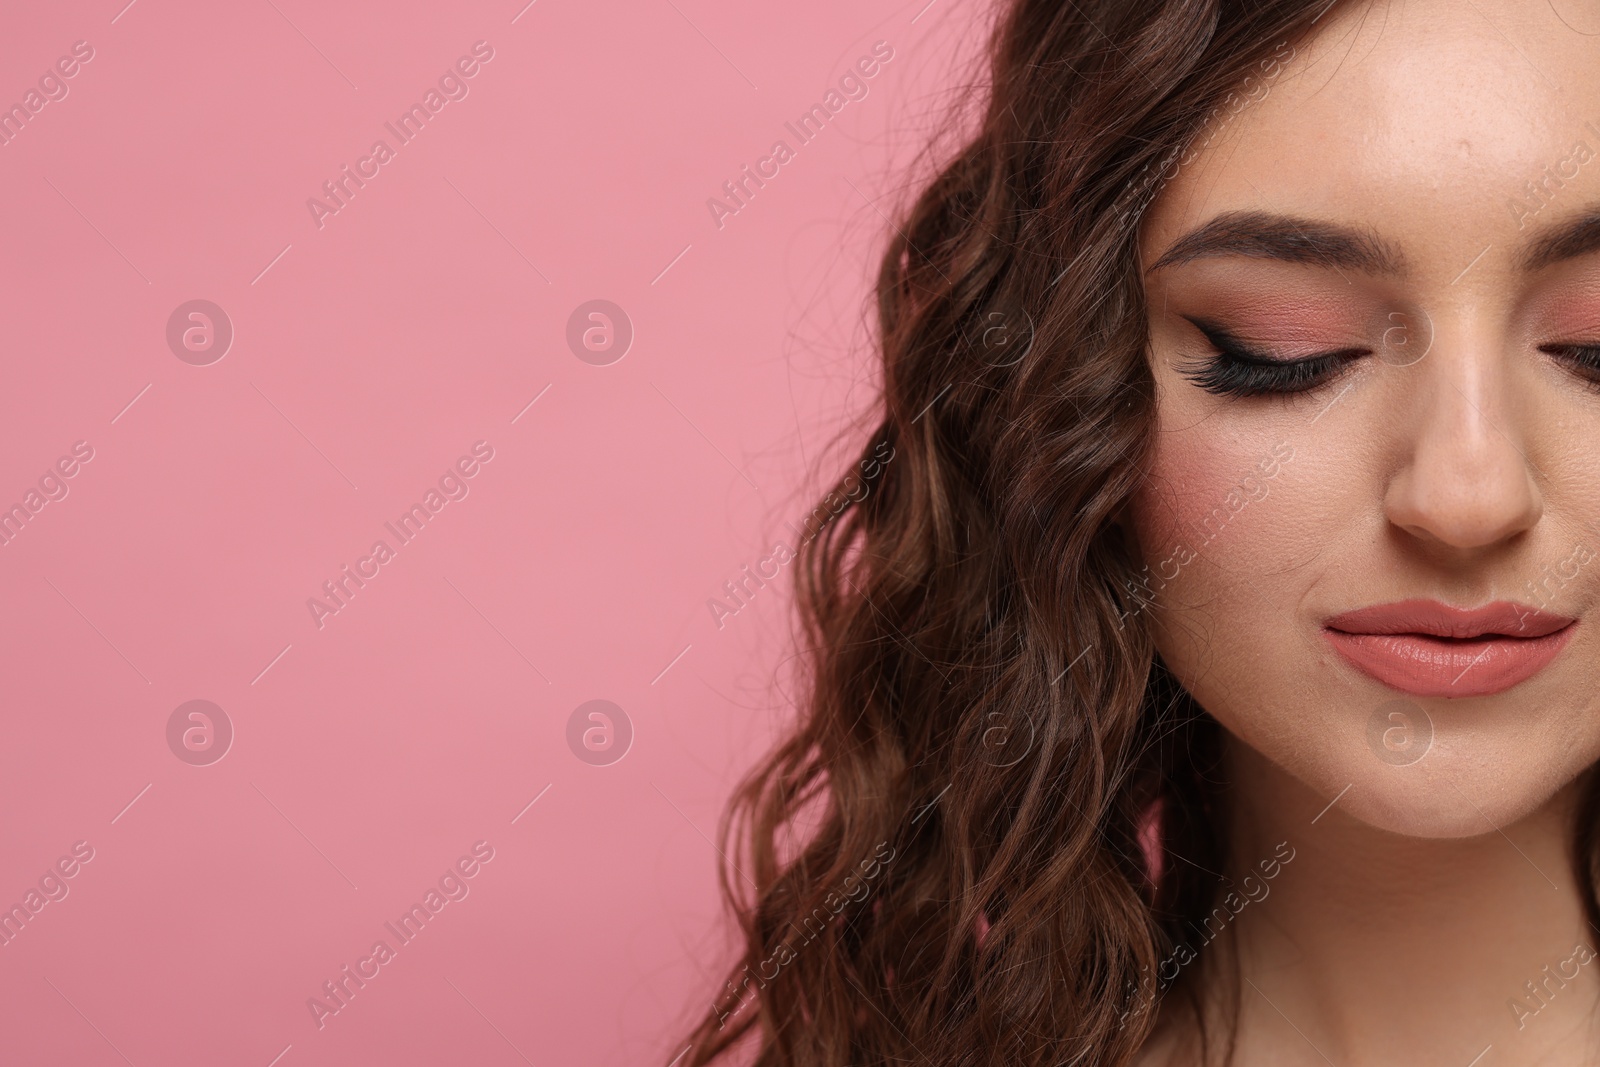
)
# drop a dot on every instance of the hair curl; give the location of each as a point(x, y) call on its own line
point(985, 700)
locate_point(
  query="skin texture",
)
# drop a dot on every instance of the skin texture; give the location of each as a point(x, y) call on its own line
point(1456, 461)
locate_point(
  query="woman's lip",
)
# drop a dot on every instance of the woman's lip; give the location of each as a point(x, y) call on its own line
point(1431, 617)
point(1429, 649)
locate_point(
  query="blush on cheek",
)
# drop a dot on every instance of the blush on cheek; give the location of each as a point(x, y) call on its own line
point(1206, 518)
point(1156, 511)
point(1186, 497)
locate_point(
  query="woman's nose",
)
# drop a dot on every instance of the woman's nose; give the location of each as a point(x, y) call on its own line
point(1465, 480)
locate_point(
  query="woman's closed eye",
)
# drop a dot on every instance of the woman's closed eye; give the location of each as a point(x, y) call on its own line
point(1582, 359)
point(1241, 369)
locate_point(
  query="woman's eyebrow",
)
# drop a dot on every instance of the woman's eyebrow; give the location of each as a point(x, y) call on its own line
point(1286, 238)
point(1577, 236)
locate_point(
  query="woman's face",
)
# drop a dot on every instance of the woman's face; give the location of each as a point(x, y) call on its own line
point(1400, 220)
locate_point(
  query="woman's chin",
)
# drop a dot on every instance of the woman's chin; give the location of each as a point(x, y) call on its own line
point(1453, 791)
point(1416, 808)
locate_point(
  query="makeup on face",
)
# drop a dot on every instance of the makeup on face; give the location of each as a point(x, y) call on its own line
point(1426, 648)
point(1436, 369)
point(1250, 327)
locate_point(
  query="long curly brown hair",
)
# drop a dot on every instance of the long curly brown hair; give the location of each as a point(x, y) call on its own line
point(993, 774)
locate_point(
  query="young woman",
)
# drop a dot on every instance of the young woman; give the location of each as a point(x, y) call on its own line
point(1205, 673)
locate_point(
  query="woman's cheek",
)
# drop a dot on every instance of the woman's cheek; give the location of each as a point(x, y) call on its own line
point(1243, 534)
point(1206, 494)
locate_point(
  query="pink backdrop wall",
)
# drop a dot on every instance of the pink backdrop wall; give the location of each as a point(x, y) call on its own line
point(215, 487)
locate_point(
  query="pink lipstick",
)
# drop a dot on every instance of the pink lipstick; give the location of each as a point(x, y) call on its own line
point(1429, 649)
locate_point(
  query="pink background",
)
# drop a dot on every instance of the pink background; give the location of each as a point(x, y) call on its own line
point(368, 355)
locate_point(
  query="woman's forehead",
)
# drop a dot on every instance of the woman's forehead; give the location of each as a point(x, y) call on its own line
point(1427, 122)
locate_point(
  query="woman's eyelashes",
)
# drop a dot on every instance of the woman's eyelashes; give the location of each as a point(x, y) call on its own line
point(1582, 360)
point(1237, 368)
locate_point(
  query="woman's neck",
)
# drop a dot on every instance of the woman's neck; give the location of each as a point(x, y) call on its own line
point(1372, 948)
